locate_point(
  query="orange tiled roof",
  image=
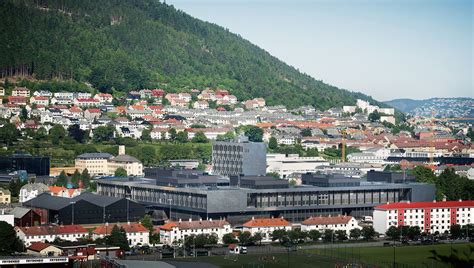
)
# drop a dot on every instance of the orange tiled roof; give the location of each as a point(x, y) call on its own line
point(327, 220)
point(38, 246)
point(53, 229)
point(194, 224)
point(267, 222)
point(133, 227)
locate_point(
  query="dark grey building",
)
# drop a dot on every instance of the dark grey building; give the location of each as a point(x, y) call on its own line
point(239, 156)
point(38, 165)
point(390, 177)
point(329, 180)
point(87, 208)
point(184, 177)
point(258, 182)
point(238, 204)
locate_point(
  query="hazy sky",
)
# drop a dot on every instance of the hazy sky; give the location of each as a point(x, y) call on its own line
point(387, 49)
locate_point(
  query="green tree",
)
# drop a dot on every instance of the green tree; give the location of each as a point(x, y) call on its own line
point(146, 134)
point(244, 238)
point(229, 239)
point(257, 238)
point(279, 235)
point(9, 134)
point(393, 233)
point(254, 133)
point(56, 134)
point(120, 172)
point(355, 233)
point(455, 231)
point(23, 114)
point(314, 235)
point(328, 235)
point(86, 178)
point(226, 137)
point(182, 137)
point(341, 235)
point(306, 132)
point(148, 155)
point(118, 238)
point(41, 134)
point(76, 177)
point(173, 134)
point(77, 133)
point(62, 179)
point(413, 232)
point(368, 233)
point(200, 137)
point(103, 133)
point(374, 116)
point(10, 242)
point(272, 143)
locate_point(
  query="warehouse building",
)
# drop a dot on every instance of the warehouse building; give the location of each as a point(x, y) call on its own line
point(87, 208)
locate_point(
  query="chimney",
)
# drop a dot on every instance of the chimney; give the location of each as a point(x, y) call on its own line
point(121, 150)
point(200, 219)
point(190, 220)
point(253, 218)
point(128, 222)
point(210, 219)
point(434, 201)
point(179, 220)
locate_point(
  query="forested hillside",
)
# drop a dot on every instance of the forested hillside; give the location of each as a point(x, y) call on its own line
point(125, 45)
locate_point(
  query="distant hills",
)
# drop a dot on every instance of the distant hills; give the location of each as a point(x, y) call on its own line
point(125, 45)
point(438, 107)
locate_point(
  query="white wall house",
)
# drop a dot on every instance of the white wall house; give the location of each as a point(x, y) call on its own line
point(137, 234)
point(266, 226)
point(286, 165)
point(178, 230)
point(50, 232)
point(429, 216)
point(31, 190)
point(335, 223)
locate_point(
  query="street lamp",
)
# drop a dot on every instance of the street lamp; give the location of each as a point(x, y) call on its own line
point(72, 203)
point(170, 199)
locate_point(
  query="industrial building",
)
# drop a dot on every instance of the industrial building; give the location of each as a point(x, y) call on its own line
point(239, 156)
point(239, 204)
point(38, 165)
point(87, 208)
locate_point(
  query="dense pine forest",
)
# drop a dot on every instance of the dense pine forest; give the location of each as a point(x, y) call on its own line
point(125, 45)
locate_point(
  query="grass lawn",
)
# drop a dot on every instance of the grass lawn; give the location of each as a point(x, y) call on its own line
point(407, 257)
point(266, 260)
point(418, 256)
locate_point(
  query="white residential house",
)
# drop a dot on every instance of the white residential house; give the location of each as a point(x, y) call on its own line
point(335, 223)
point(31, 190)
point(21, 92)
point(202, 104)
point(266, 226)
point(137, 234)
point(178, 230)
point(39, 100)
point(50, 232)
point(431, 217)
point(104, 97)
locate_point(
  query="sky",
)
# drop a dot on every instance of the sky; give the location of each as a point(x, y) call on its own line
point(387, 49)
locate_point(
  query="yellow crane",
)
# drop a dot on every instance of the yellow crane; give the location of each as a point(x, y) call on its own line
point(343, 142)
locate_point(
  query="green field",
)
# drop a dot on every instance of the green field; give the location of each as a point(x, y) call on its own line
point(409, 256)
point(406, 257)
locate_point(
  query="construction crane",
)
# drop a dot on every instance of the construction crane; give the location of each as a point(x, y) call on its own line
point(343, 143)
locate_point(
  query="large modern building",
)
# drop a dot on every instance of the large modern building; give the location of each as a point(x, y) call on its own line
point(38, 165)
point(239, 204)
point(239, 156)
point(431, 216)
point(87, 208)
point(287, 165)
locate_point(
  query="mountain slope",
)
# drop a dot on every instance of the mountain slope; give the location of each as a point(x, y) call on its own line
point(125, 45)
point(438, 107)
